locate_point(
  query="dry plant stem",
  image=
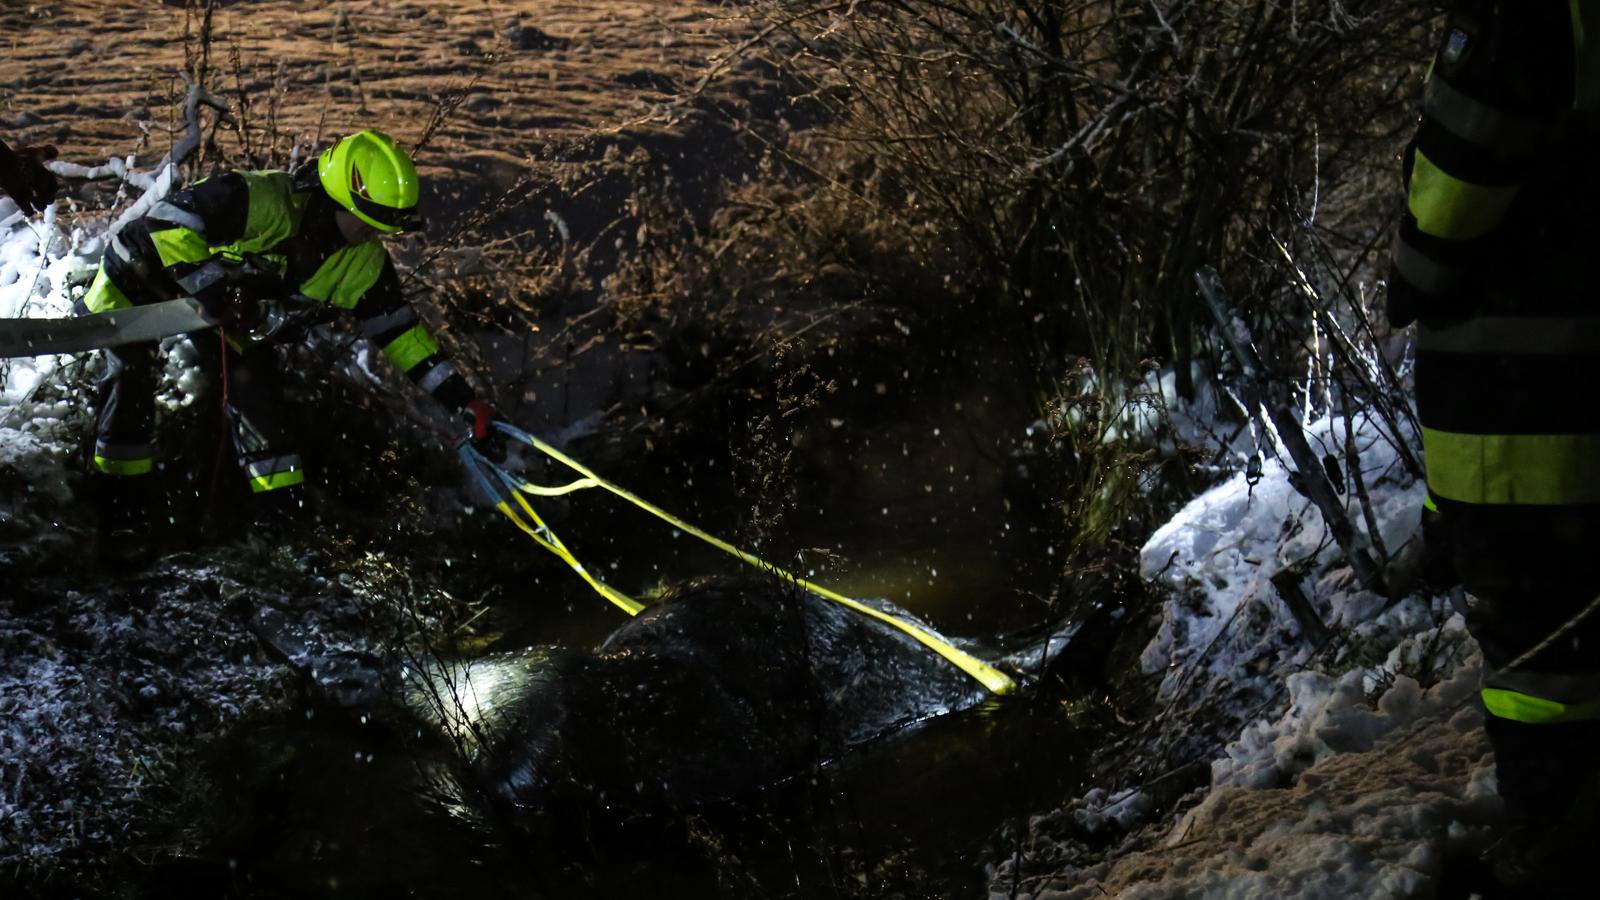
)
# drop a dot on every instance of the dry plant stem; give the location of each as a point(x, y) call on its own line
point(193, 136)
point(1313, 480)
point(1287, 582)
point(1395, 408)
point(1351, 359)
point(242, 97)
point(449, 101)
point(197, 49)
point(1357, 480)
point(180, 152)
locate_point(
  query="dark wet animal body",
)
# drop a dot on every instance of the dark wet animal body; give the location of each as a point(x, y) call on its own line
point(721, 687)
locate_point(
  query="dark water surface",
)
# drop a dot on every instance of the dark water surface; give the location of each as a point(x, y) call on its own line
point(932, 511)
point(332, 807)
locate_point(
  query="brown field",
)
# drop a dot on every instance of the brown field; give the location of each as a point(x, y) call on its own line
point(545, 125)
point(100, 78)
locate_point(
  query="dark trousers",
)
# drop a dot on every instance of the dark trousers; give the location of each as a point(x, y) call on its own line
point(248, 382)
point(1531, 571)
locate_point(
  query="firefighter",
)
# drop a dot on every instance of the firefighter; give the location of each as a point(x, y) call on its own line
point(1494, 260)
point(260, 249)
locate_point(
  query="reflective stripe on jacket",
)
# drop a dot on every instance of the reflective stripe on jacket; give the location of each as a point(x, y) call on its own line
point(278, 226)
point(1498, 265)
point(1496, 259)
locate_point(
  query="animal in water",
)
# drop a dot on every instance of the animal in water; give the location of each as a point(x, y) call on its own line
point(723, 686)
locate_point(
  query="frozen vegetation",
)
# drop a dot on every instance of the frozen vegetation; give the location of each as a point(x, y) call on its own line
point(1356, 769)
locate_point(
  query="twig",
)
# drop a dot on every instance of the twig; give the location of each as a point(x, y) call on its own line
point(1313, 481)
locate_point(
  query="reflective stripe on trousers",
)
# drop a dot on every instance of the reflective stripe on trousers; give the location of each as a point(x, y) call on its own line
point(274, 472)
point(1541, 698)
point(123, 459)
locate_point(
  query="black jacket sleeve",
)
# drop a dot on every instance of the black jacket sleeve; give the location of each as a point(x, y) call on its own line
point(393, 326)
point(1500, 87)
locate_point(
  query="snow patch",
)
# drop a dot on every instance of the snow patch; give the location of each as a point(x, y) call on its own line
point(43, 270)
point(1329, 715)
point(1219, 553)
point(1375, 770)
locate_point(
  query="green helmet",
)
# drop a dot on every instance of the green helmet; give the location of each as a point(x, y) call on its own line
point(368, 174)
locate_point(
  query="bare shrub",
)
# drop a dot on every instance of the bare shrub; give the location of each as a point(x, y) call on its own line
point(1087, 156)
point(1075, 162)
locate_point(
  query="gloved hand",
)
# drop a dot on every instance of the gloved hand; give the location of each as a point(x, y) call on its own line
point(485, 438)
point(24, 177)
point(245, 303)
point(223, 302)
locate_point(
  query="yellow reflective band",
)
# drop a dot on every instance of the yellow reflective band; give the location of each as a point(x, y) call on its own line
point(263, 483)
point(346, 276)
point(272, 212)
point(1428, 504)
point(1520, 707)
point(411, 348)
point(104, 295)
point(1526, 469)
point(1447, 207)
point(124, 466)
point(627, 604)
point(990, 677)
point(180, 245)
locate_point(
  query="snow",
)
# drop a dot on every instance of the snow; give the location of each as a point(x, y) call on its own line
point(1220, 551)
point(1372, 772)
point(1148, 411)
point(43, 269)
point(1329, 715)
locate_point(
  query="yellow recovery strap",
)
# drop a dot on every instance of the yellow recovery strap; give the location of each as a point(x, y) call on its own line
point(991, 677)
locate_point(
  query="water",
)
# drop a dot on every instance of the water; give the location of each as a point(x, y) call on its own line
point(929, 516)
point(329, 807)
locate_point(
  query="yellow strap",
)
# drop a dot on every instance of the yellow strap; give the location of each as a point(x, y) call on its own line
point(991, 677)
point(539, 490)
point(623, 601)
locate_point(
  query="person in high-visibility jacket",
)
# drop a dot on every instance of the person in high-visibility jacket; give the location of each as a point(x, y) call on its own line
point(1495, 260)
point(239, 242)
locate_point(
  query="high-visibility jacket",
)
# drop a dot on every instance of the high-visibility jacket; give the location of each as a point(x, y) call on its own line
point(1496, 260)
point(278, 228)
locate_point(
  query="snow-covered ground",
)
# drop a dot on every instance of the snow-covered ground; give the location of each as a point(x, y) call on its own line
point(1356, 769)
point(43, 266)
point(107, 681)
